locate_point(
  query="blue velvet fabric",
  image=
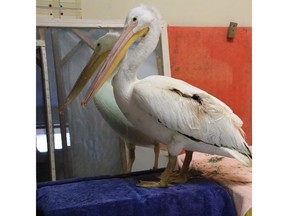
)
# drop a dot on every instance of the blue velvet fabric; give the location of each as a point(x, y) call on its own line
point(119, 195)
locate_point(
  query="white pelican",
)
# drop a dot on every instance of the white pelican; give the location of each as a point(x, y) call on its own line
point(169, 110)
point(106, 104)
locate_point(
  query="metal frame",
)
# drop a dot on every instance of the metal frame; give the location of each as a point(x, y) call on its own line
point(86, 23)
point(49, 131)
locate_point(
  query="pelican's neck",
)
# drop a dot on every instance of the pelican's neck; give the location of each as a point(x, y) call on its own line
point(147, 44)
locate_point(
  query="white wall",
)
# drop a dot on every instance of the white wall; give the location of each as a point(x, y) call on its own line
point(179, 13)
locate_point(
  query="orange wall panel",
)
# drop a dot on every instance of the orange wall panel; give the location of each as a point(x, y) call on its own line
point(203, 57)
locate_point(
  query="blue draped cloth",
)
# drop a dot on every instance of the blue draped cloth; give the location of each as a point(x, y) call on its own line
point(119, 195)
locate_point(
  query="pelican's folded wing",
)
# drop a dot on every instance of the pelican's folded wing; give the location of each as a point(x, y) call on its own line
point(189, 111)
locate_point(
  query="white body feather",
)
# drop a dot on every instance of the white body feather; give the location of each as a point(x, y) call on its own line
point(107, 106)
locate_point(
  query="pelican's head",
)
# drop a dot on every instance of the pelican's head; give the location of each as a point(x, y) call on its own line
point(142, 21)
point(106, 42)
point(103, 46)
point(142, 17)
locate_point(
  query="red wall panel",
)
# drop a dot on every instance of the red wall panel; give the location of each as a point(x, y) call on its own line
point(203, 57)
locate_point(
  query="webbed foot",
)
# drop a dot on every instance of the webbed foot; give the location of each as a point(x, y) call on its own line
point(153, 184)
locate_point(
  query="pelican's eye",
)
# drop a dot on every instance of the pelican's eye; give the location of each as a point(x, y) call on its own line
point(98, 45)
point(134, 19)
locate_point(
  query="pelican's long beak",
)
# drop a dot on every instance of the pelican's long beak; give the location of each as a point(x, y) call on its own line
point(94, 62)
point(126, 39)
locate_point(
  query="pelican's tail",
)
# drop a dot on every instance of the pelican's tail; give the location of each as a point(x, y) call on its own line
point(244, 158)
point(243, 152)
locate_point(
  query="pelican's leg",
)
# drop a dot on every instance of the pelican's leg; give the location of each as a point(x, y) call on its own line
point(131, 158)
point(182, 177)
point(186, 163)
point(164, 176)
point(156, 152)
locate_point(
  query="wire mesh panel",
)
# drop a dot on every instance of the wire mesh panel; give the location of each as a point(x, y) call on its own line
point(94, 146)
